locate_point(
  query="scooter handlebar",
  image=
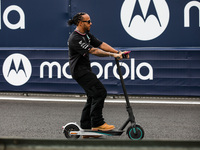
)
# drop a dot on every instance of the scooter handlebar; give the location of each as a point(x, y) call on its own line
point(125, 55)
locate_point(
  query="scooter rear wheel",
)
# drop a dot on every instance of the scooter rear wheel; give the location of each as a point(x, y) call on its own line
point(135, 133)
point(68, 129)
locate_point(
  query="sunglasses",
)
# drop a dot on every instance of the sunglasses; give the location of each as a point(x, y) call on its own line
point(89, 21)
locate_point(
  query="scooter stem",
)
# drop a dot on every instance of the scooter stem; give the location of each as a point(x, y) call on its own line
point(128, 106)
point(122, 82)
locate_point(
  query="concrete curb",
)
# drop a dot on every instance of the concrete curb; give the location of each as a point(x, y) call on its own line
point(34, 144)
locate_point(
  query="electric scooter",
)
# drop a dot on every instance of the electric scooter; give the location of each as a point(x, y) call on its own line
point(135, 132)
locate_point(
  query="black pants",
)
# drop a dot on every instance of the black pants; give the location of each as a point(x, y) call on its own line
point(96, 94)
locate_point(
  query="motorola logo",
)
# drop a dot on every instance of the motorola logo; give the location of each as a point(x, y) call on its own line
point(17, 69)
point(145, 19)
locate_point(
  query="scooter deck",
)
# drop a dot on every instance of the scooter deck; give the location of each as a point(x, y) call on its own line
point(112, 132)
point(99, 132)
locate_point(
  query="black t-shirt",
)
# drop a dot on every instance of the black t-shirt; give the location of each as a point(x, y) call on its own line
point(79, 46)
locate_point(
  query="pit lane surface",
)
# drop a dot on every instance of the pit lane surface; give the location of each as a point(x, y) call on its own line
point(44, 120)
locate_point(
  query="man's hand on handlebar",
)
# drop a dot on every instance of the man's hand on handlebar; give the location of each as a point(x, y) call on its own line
point(122, 55)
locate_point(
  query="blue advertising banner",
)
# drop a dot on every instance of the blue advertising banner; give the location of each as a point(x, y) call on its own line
point(141, 23)
point(148, 72)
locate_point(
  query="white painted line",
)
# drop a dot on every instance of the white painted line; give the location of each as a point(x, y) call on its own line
point(107, 101)
point(156, 102)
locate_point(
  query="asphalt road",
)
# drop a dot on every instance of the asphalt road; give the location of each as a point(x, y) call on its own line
point(44, 120)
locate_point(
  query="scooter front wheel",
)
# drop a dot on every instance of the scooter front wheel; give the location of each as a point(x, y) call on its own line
point(68, 129)
point(136, 133)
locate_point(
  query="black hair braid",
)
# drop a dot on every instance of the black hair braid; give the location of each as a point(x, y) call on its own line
point(76, 19)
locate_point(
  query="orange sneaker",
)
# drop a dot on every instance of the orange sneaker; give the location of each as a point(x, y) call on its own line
point(104, 127)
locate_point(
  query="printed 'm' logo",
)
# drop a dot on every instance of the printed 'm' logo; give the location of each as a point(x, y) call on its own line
point(17, 69)
point(144, 19)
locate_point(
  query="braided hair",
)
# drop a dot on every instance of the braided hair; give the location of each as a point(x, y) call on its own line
point(76, 19)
